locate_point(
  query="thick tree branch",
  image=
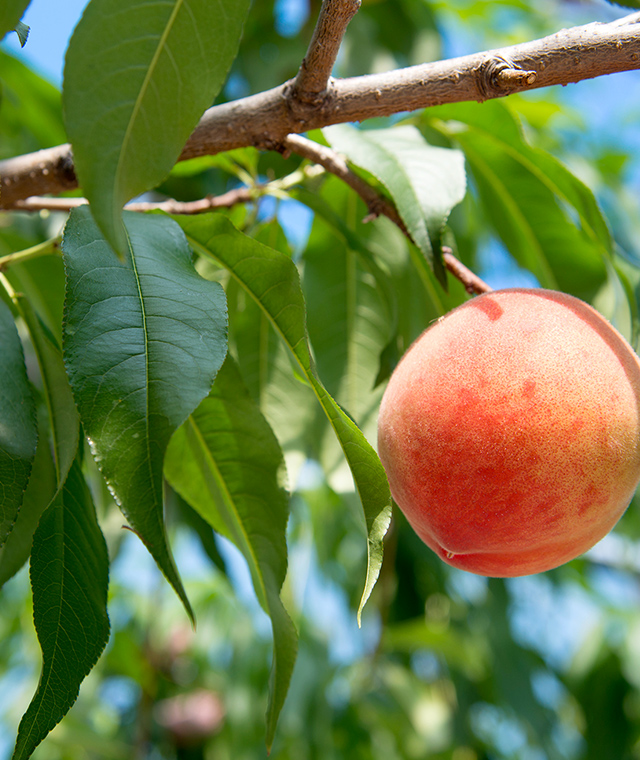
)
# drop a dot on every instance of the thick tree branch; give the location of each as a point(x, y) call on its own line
point(311, 84)
point(46, 171)
point(264, 120)
point(376, 204)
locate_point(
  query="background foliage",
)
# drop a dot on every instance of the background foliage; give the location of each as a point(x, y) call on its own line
point(446, 664)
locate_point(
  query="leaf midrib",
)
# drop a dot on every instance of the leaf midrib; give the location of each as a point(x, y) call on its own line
point(55, 648)
point(521, 158)
point(239, 525)
point(147, 411)
point(143, 91)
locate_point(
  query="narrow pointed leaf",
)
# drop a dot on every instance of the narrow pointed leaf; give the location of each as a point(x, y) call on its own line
point(272, 280)
point(18, 428)
point(40, 491)
point(525, 194)
point(350, 319)
point(496, 120)
point(11, 11)
point(226, 462)
point(64, 421)
point(424, 182)
point(138, 76)
point(69, 576)
point(143, 340)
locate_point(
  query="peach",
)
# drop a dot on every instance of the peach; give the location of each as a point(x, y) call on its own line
point(510, 432)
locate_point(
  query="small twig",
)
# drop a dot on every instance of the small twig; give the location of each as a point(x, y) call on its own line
point(315, 72)
point(377, 205)
point(42, 249)
point(334, 163)
point(472, 283)
point(38, 203)
point(170, 206)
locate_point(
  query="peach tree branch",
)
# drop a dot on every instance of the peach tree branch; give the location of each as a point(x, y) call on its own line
point(314, 76)
point(377, 204)
point(264, 120)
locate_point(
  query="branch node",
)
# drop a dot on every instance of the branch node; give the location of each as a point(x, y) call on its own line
point(508, 78)
point(500, 75)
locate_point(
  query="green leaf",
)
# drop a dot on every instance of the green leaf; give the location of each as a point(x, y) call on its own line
point(186, 515)
point(271, 279)
point(424, 182)
point(69, 577)
point(625, 3)
point(64, 420)
point(11, 11)
point(350, 317)
point(617, 303)
point(40, 491)
point(30, 113)
point(226, 462)
point(18, 428)
point(525, 193)
point(22, 30)
point(135, 88)
point(41, 282)
point(268, 371)
point(143, 340)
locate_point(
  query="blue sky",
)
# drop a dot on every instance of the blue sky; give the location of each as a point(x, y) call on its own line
point(51, 26)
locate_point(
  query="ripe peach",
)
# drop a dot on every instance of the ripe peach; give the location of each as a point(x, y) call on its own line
point(510, 432)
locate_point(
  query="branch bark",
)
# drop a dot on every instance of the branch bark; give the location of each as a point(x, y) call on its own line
point(264, 120)
point(311, 84)
point(377, 204)
point(169, 206)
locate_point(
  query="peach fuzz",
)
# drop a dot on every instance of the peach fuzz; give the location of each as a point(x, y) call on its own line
point(510, 432)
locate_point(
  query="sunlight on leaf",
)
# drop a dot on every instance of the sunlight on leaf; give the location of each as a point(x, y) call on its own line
point(424, 182)
point(226, 462)
point(138, 75)
point(272, 280)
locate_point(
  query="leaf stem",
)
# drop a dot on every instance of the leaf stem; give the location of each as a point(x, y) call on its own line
point(8, 287)
point(51, 246)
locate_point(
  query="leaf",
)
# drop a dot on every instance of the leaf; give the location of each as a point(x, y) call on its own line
point(18, 428)
point(134, 89)
point(143, 340)
point(40, 491)
point(525, 193)
point(625, 3)
point(424, 182)
point(30, 116)
point(69, 577)
point(22, 30)
point(350, 317)
point(271, 279)
point(616, 303)
point(186, 515)
point(41, 281)
point(226, 462)
point(64, 420)
point(11, 11)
